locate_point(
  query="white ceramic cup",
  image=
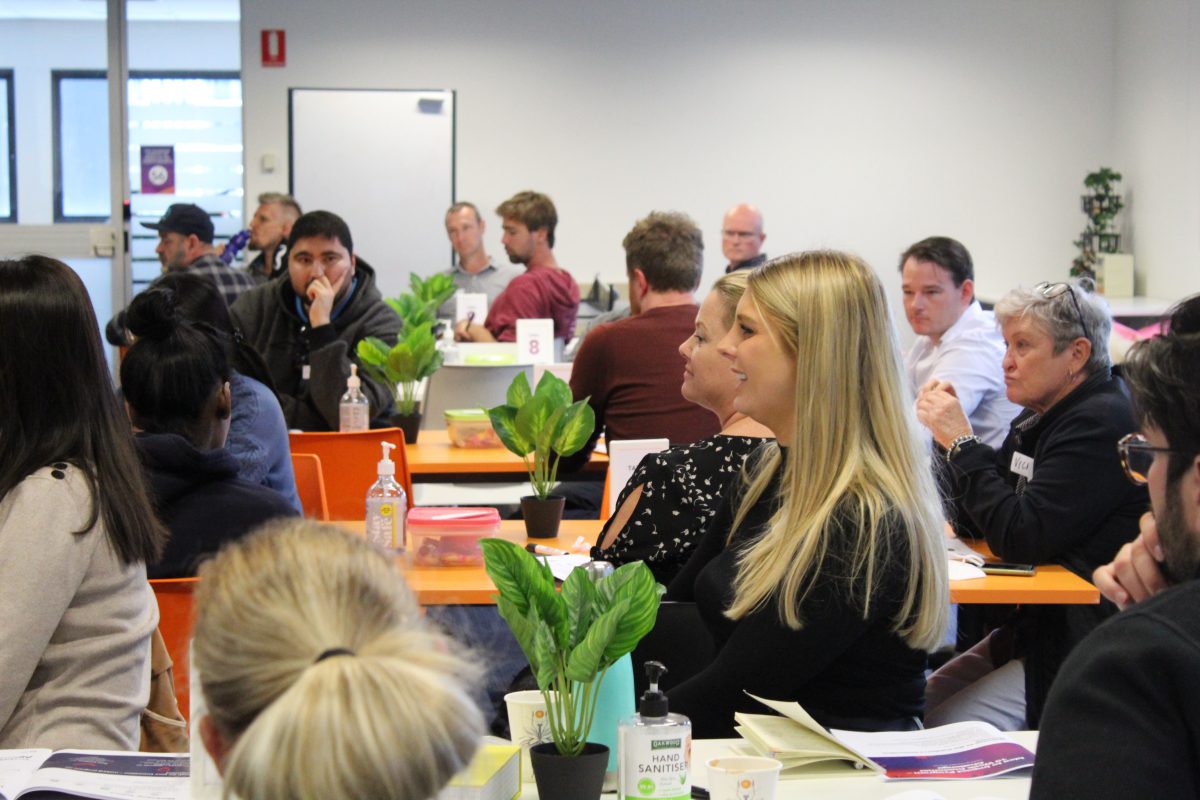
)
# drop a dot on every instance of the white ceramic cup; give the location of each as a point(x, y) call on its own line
point(528, 724)
point(742, 778)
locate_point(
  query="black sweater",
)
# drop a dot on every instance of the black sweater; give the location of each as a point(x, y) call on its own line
point(848, 672)
point(202, 501)
point(1077, 511)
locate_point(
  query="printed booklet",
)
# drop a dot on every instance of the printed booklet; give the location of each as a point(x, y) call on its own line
point(97, 774)
point(960, 750)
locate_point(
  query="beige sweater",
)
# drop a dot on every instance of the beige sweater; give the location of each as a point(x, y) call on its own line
point(75, 622)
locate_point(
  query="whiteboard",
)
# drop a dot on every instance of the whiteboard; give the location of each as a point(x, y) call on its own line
point(383, 160)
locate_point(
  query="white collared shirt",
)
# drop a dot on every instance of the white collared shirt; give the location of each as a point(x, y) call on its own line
point(969, 357)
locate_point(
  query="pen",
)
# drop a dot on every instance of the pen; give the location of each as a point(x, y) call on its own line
point(542, 550)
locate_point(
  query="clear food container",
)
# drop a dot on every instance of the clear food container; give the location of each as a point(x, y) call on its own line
point(471, 428)
point(449, 537)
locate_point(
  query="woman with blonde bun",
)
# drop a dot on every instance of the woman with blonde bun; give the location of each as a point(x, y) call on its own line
point(822, 576)
point(320, 676)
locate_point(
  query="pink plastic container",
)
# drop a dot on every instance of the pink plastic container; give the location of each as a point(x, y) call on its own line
point(449, 537)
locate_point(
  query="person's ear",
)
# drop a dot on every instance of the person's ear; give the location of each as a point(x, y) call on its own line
point(1081, 351)
point(287, 229)
point(353, 264)
point(224, 401)
point(214, 742)
point(638, 282)
point(967, 291)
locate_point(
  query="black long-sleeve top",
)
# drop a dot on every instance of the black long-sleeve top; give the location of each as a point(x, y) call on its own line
point(848, 672)
point(1077, 511)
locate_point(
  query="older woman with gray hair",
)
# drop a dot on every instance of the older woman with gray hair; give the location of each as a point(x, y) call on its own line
point(1054, 493)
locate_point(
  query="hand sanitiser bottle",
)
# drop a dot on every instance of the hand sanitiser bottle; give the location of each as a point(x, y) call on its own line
point(387, 506)
point(654, 748)
point(354, 412)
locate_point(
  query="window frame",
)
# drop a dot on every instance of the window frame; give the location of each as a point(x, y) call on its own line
point(7, 76)
point(56, 76)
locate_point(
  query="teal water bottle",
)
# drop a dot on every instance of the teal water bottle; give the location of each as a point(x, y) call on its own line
point(616, 699)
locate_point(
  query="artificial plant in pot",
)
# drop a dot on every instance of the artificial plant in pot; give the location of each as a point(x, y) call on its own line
point(571, 638)
point(401, 368)
point(541, 426)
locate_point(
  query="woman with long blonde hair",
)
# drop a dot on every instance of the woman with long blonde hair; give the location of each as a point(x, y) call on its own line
point(822, 577)
point(320, 676)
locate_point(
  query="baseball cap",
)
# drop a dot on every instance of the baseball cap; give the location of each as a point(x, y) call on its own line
point(185, 218)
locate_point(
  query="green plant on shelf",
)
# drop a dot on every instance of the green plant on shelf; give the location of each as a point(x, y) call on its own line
point(1101, 206)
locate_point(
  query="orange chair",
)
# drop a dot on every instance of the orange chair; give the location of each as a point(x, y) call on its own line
point(310, 485)
point(348, 465)
point(175, 622)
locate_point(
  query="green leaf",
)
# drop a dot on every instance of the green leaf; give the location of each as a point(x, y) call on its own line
point(633, 584)
point(532, 418)
point(504, 422)
point(546, 668)
point(518, 393)
point(579, 593)
point(555, 389)
point(587, 659)
point(504, 563)
point(523, 626)
point(574, 428)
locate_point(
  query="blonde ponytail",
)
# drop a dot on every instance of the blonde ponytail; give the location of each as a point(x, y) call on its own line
point(386, 712)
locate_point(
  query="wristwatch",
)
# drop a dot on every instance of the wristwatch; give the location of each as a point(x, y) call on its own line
point(958, 444)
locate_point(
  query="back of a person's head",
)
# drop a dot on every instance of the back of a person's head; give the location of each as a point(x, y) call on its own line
point(197, 299)
point(57, 401)
point(1163, 373)
point(321, 225)
point(669, 250)
point(174, 368)
point(320, 674)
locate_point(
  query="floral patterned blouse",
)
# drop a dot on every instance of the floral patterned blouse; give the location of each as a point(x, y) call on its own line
point(681, 488)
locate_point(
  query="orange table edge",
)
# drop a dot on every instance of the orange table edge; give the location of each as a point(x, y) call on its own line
point(1051, 585)
point(433, 454)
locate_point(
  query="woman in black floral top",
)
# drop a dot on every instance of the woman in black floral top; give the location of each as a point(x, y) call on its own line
point(665, 506)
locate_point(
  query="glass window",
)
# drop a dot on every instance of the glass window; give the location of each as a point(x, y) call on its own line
point(8, 150)
point(81, 173)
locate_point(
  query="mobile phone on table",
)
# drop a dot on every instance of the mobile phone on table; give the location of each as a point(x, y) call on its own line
point(1006, 568)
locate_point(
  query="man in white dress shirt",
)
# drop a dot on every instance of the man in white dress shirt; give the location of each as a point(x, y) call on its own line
point(957, 341)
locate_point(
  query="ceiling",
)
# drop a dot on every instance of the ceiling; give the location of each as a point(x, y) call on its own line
point(136, 10)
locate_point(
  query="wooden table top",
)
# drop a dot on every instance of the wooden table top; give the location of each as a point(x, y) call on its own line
point(433, 454)
point(1052, 585)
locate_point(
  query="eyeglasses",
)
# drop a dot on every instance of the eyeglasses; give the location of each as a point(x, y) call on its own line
point(1052, 290)
point(728, 234)
point(1137, 455)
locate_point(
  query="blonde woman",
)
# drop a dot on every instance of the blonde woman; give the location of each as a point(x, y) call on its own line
point(822, 577)
point(668, 501)
point(320, 677)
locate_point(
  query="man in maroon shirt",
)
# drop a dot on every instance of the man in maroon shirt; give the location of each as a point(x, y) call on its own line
point(543, 291)
point(631, 369)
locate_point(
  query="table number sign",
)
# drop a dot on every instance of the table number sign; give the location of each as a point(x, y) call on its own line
point(535, 341)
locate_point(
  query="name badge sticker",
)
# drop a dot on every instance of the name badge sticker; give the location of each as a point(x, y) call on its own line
point(1022, 465)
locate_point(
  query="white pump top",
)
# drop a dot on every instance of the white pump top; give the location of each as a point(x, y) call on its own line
point(386, 465)
point(353, 382)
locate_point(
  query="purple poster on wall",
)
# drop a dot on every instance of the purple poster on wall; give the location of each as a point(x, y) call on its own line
point(158, 169)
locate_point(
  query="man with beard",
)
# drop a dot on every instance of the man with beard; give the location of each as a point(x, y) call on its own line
point(269, 230)
point(1122, 715)
point(543, 291)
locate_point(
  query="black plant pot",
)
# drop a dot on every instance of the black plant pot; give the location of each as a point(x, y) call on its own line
point(542, 516)
point(560, 777)
point(409, 423)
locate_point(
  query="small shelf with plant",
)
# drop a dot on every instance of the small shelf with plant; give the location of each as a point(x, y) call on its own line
point(1101, 206)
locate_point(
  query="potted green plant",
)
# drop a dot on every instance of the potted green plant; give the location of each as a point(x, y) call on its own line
point(401, 368)
point(1100, 206)
point(571, 639)
point(541, 426)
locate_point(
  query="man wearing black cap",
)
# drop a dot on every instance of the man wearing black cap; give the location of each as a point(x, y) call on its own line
point(185, 236)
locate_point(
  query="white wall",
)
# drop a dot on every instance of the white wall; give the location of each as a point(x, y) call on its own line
point(1158, 141)
point(33, 48)
point(863, 125)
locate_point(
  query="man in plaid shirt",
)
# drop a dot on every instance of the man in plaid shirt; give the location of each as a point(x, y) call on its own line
point(185, 241)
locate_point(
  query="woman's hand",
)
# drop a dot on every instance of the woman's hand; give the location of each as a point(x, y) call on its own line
point(1134, 574)
point(938, 410)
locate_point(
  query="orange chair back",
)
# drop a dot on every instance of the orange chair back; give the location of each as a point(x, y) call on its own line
point(175, 622)
point(607, 497)
point(348, 465)
point(310, 485)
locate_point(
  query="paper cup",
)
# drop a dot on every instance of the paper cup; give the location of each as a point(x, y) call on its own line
point(742, 778)
point(528, 724)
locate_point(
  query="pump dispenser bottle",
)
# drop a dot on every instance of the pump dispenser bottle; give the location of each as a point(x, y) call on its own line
point(354, 411)
point(654, 748)
point(387, 506)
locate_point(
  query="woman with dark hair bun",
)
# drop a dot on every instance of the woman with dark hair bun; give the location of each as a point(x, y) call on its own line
point(176, 379)
point(257, 431)
point(76, 526)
